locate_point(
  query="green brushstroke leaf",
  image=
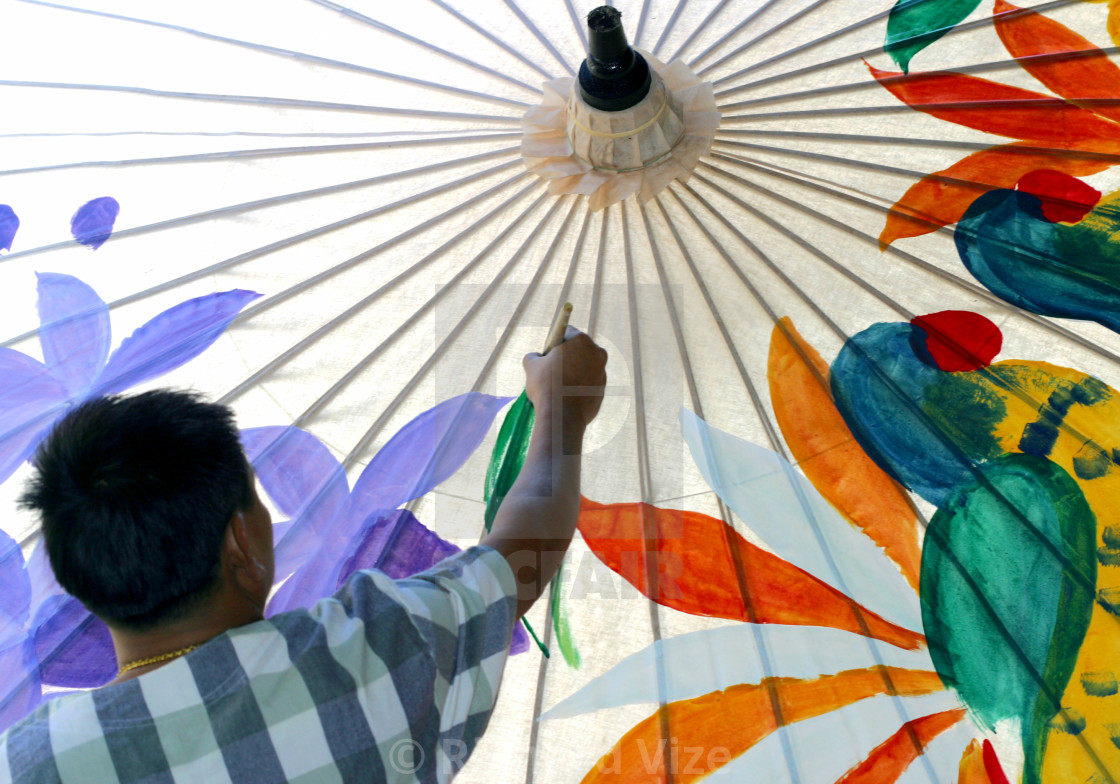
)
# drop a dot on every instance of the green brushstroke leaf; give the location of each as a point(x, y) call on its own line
point(505, 464)
point(915, 24)
point(560, 622)
point(508, 455)
point(1004, 616)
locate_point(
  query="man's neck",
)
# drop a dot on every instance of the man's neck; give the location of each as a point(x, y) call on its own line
point(217, 615)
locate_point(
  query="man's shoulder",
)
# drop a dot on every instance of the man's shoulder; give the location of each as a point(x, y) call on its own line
point(27, 749)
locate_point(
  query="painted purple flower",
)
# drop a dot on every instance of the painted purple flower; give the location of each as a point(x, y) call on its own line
point(332, 530)
point(75, 337)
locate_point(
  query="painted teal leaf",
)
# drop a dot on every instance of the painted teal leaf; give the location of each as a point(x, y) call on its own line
point(915, 24)
point(1004, 613)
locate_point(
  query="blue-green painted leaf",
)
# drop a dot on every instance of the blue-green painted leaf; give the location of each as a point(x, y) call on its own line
point(915, 24)
point(1007, 570)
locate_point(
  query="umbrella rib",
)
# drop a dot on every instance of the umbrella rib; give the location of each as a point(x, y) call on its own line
point(700, 28)
point(597, 284)
point(971, 288)
point(582, 33)
point(452, 335)
point(260, 152)
point(763, 36)
point(863, 111)
point(284, 243)
point(669, 27)
point(725, 514)
point(973, 68)
point(360, 17)
point(260, 100)
point(643, 17)
point(779, 446)
point(272, 200)
point(369, 299)
point(650, 533)
point(532, 28)
point(902, 140)
point(996, 620)
point(287, 53)
point(731, 33)
point(493, 38)
point(844, 59)
point(406, 136)
point(908, 173)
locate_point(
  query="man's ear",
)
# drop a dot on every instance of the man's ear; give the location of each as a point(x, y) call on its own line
point(239, 548)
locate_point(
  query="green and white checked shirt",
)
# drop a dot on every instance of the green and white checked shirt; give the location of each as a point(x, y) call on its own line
point(386, 681)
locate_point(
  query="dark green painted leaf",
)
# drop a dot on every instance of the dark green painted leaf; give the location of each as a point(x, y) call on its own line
point(915, 24)
point(1007, 573)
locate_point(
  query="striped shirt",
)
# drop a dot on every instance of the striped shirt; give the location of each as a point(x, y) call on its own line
point(386, 681)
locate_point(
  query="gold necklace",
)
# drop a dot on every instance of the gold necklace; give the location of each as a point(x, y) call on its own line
point(132, 665)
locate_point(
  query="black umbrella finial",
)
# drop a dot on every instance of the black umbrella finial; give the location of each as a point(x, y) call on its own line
point(613, 77)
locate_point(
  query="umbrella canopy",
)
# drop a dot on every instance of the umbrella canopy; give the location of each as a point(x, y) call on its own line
point(866, 349)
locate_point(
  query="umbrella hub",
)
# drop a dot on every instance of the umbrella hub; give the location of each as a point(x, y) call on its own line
point(629, 124)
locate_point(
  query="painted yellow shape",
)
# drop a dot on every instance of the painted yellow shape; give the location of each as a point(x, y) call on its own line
point(1069, 758)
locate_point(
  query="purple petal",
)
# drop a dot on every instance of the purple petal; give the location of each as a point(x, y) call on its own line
point(20, 689)
point(305, 481)
point(172, 338)
point(400, 546)
point(426, 451)
point(15, 590)
point(397, 544)
point(74, 647)
point(93, 222)
point(9, 224)
point(30, 401)
point(74, 330)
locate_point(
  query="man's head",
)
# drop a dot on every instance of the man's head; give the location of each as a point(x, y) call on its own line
point(137, 496)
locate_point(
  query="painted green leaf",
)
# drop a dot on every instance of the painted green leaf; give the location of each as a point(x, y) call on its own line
point(505, 464)
point(915, 24)
point(508, 455)
point(1006, 584)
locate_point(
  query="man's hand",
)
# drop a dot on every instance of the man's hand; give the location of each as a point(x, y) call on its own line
point(534, 525)
point(568, 380)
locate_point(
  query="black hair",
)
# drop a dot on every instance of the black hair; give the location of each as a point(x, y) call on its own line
point(134, 495)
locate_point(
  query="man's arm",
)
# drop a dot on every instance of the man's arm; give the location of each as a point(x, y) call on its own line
point(537, 518)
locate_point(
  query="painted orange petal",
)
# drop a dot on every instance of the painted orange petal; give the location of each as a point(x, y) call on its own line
point(890, 759)
point(699, 565)
point(941, 198)
point(826, 451)
point(980, 765)
point(1084, 79)
point(995, 108)
point(724, 724)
